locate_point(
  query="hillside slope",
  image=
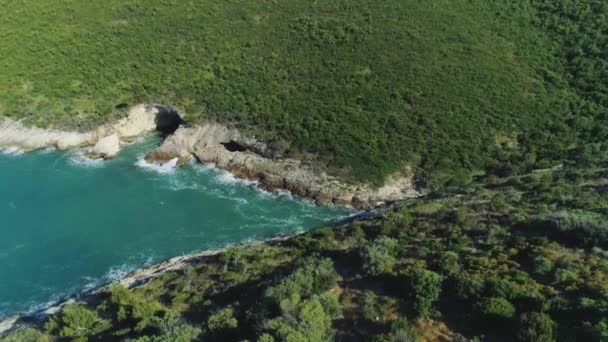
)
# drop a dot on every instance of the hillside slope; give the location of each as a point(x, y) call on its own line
point(448, 87)
point(519, 258)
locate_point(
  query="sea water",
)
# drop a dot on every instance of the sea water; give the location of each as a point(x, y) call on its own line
point(69, 224)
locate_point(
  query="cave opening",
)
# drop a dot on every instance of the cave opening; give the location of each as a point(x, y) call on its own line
point(167, 120)
point(234, 146)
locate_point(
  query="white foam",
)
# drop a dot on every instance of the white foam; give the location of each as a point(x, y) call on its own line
point(199, 167)
point(11, 151)
point(118, 272)
point(46, 150)
point(166, 168)
point(225, 177)
point(177, 184)
point(47, 307)
point(79, 159)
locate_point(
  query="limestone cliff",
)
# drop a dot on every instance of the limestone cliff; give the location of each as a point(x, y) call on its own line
point(246, 158)
point(13, 134)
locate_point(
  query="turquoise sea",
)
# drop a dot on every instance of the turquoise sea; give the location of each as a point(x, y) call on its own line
point(69, 224)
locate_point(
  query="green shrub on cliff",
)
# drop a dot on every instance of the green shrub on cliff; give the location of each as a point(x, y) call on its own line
point(447, 87)
point(27, 335)
point(77, 322)
point(493, 272)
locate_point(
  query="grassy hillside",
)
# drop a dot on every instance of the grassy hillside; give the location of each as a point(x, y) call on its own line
point(362, 86)
point(518, 258)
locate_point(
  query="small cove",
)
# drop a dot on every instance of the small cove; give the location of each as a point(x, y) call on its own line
point(70, 224)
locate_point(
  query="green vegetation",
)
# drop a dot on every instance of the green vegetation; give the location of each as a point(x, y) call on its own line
point(502, 106)
point(486, 259)
point(448, 87)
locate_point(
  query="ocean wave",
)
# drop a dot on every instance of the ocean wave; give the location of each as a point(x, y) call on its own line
point(200, 167)
point(176, 184)
point(77, 158)
point(46, 307)
point(46, 150)
point(118, 272)
point(225, 177)
point(11, 151)
point(166, 168)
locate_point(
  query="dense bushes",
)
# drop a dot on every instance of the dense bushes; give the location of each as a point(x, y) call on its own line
point(379, 257)
point(582, 228)
point(313, 277)
point(451, 266)
point(536, 327)
point(76, 322)
point(447, 87)
point(426, 288)
point(306, 308)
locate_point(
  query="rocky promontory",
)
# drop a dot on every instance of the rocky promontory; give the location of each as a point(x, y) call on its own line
point(229, 149)
point(250, 159)
point(105, 139)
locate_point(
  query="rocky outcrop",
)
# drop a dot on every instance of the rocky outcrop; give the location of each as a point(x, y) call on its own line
point(105, 148)
point(229, 150)
point(13, 134)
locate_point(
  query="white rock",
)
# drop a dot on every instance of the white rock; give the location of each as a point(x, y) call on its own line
point(13, 134)
point(141, 119)
point(106, 147)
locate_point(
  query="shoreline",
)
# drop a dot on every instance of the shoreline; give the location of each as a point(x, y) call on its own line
point(228, 149)
point(144, 274)
point(133, 279)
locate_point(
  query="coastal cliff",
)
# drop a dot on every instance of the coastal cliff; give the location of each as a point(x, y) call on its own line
point(140, 119)
point(227, 148)
point(250, 159)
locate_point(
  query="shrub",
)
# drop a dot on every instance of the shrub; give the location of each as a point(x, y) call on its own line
point(310, 321)
point(313, 276)
point(265, 338)
point(130, 309)
point(379, 257)
point(542, 265)
point(536, 327)
point(582, 228)
point(374, 307)
point(172, 329)
point(75, 321)
point(426, 286)
point(26, 335)
point(497, 308)
point(222, 320)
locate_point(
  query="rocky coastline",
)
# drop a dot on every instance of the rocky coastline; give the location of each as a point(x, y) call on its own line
point(143, 275)
point(228, 149)
point(247, 158)
point(134, 279)
point(104, 140)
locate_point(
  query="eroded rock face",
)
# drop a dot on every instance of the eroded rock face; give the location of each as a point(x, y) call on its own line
point(105, 148)
point(167, 120)
point(141, 119)
point(214, 143)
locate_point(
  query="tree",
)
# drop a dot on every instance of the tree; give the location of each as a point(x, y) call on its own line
point(379, 257)
point(222, 320)
point(310, 321)
point(75, 321)
point(497, 309)
point(536, 327)
point(427, 288)
point(313, 276)
point(27, 335)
